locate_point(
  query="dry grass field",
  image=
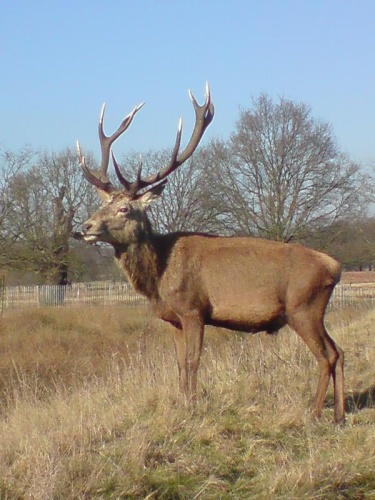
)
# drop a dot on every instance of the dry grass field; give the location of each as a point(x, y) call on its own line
point(89, 410)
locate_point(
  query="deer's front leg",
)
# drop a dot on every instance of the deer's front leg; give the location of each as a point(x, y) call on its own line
point(193, 328)
point(188, 343)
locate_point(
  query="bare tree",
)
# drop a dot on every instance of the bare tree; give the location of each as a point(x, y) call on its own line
point(48, 201)
point(11, 165)
point(281, 174)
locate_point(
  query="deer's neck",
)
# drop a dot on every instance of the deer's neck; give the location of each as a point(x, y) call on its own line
point(139, 261)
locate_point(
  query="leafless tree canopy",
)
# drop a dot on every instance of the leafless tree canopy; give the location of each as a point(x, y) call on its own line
point(46, 200)
point(11, 166)
point(281, 174)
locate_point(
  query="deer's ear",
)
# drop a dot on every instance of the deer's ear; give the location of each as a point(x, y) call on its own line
point(152, 194)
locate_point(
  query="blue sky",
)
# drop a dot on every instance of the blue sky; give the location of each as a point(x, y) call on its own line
point(60, 60)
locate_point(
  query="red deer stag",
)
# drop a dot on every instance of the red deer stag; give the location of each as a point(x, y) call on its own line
point(192, 279)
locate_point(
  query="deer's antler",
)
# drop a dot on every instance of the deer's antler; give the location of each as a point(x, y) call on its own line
point(99, 179)
point(203, 117)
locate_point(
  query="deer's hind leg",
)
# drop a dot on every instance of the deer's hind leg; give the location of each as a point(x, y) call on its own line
point(329, 356)
point(179, 344)
point(338, 381)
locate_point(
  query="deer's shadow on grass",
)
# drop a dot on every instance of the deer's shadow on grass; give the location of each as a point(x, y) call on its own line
point(360, 400)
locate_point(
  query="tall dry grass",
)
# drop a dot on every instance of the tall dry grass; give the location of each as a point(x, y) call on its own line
point(89, 409)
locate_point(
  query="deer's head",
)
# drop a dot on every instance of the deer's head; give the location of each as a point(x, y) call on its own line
point(121, 217)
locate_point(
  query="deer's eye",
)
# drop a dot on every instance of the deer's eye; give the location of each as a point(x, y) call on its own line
point(123, 210)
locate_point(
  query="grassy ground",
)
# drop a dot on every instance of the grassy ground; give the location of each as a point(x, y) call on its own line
point(89, 409)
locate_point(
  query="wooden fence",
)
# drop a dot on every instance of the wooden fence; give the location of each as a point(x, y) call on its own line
point(108, 292)
point(361, 295)
point(98, 292)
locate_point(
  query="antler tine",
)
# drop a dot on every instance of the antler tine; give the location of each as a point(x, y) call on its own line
point(203, 117)
point(120, 177)
point(107, 141)
point(140, 184)
point(93, 179)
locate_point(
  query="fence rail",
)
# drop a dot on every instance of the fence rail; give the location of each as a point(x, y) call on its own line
point(107, 292)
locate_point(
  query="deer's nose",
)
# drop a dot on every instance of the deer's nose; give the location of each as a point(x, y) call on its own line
point(88, 226)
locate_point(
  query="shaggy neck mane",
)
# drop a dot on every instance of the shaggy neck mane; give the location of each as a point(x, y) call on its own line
point(139, 262)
